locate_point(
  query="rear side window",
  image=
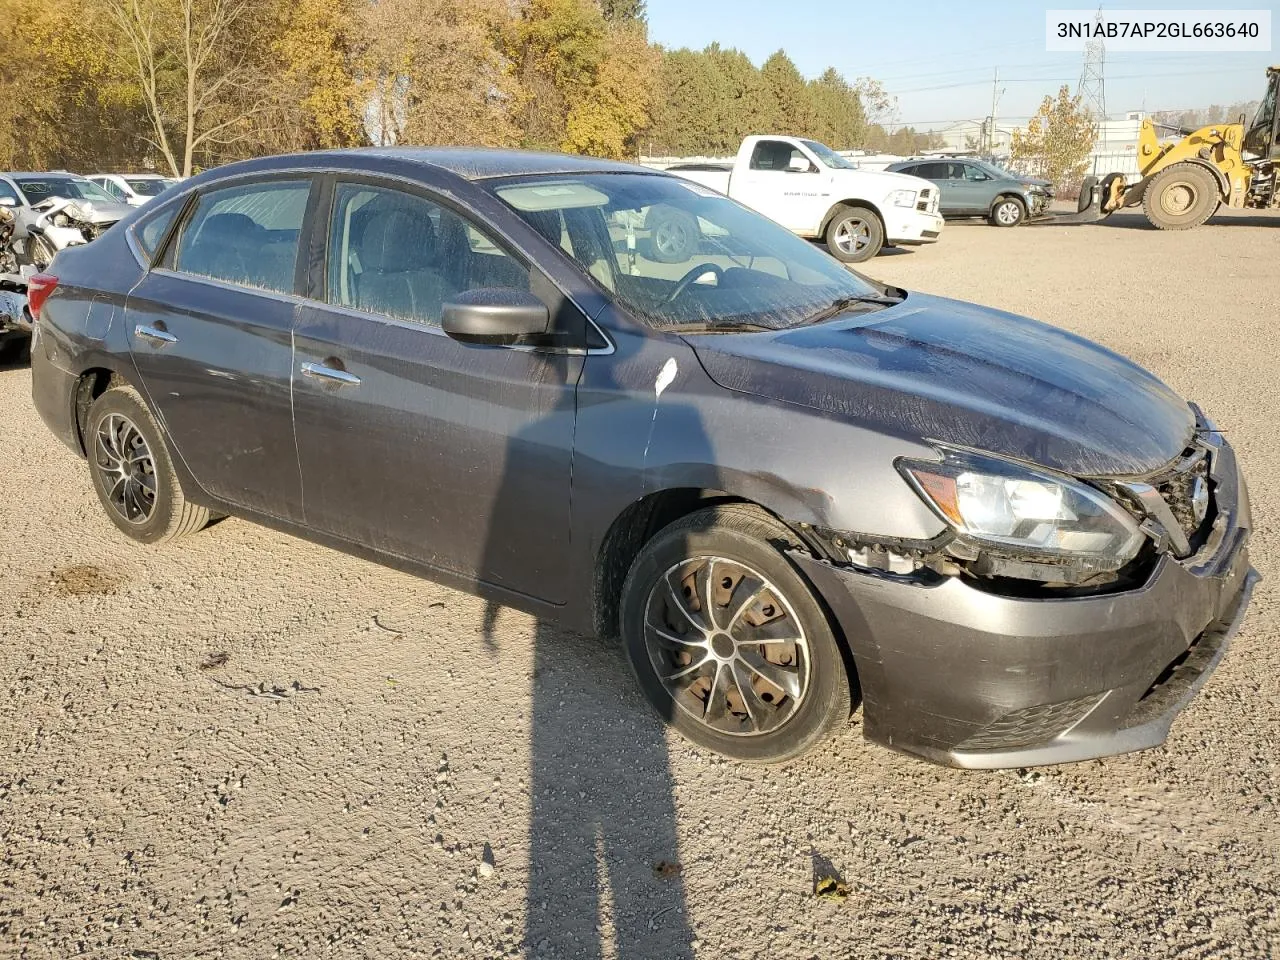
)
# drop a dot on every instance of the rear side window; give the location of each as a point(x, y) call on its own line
point(151, 234)
point(247, 235)
point(403, 256)
point(931, 171)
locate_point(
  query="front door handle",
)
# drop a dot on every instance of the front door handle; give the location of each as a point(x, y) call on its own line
point(156, 335)
point(322, 371)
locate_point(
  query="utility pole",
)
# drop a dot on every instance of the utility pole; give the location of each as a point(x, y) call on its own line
point(995, 100)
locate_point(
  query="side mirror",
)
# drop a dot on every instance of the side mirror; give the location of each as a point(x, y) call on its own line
point(494, 315)
point(798, 164)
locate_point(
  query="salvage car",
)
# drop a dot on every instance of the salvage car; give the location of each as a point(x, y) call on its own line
point(32, 197)
point(976, 188)
point(789, 489)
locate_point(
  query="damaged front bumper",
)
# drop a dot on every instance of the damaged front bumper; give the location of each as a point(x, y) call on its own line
point(971, 678)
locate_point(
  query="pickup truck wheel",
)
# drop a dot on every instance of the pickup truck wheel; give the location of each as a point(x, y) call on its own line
point(1007, 212)
point(1180, 197)
point(727, 640)
point(132, 473)
point(855, 234)
point(673, 235)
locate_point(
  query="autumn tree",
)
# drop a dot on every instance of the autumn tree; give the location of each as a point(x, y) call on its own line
point(620, 11)
point(1058, 140)
point(795, 113)
point(586, 82)
point(435, 74)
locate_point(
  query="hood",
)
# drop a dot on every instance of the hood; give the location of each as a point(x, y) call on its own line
point(889, 179)
point(943, 370)
point(99, 211)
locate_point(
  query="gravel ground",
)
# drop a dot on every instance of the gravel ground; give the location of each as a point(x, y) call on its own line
point(249, 746)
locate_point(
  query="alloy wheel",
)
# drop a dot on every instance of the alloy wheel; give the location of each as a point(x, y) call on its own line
point(1008, 213)
point(853, 235)
point(127, 468)
point(727, 646)
point(671, 238)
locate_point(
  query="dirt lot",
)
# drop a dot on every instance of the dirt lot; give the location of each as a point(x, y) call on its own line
point(248, 746)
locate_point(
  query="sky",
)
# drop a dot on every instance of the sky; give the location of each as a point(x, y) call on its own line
point(938, 58)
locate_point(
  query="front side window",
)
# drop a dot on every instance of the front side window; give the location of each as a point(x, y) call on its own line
point(246, 235)
point(975, 173)
point(400, 255)
point(675, 253)
point(774, 155)
point(111, 188)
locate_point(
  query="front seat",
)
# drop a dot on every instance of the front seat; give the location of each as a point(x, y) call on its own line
point(398, 274)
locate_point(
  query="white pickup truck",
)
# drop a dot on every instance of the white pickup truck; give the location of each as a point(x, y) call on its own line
point(816, 193)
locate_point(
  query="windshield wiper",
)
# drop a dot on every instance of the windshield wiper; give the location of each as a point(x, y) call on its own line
point(842, 304)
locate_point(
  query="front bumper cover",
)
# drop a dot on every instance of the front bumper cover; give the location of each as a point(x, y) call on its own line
point(970, 678)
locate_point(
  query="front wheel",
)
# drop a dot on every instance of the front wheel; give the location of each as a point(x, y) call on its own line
point(855, 234)
point(132, 473)
point(1007, 212)
point(727, 640)
point(1180, 197)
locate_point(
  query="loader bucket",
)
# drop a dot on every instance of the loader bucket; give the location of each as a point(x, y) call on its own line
point(1088, 207)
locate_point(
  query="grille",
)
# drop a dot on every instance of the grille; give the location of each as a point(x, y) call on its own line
point(1030, 725)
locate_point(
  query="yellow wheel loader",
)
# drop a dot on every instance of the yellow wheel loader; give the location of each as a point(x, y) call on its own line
point(1185, 182)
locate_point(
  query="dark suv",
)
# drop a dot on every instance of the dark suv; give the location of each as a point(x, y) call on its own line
point(977, 188)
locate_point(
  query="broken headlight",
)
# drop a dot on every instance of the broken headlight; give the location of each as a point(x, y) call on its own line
point(1013, 509)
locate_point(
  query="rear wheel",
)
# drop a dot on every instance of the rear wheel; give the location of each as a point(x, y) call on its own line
point(1007, 212)
point(727, 640)
point(132, 473)
point(854, 234)
point(1180, 197)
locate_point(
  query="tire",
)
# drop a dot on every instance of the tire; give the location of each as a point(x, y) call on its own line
point(1180, 197)
point(673, 235)
point(1007, 212)
point(854, 234)
point(142, 498)
point(40, 252)
point(738, 547)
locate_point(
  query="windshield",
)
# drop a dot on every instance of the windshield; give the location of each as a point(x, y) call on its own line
point(36, 189)
point(676, 253)
point(829, 156)
point(148, 187)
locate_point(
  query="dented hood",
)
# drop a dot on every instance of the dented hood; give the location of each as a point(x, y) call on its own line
point(937, 369)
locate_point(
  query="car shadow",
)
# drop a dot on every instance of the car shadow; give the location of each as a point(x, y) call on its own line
point(604, 872)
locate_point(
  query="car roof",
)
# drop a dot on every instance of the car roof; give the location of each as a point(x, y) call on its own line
point(52, 175)
point(470, 163)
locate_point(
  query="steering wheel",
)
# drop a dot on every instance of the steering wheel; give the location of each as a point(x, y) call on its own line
point(692, 275)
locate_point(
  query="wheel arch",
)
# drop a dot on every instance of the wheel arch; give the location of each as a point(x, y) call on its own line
point(843, 204)
point(1224, 186)
point(1009, 195)
point(92, 382)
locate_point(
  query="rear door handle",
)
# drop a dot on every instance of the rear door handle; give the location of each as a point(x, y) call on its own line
point(322, 371)
point(155, 334)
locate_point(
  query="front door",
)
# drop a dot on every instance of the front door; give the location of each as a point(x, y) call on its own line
point(770, 186)
point(450, 454)
point(210, 333)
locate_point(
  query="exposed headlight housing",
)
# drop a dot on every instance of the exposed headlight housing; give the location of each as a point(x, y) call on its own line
point(1021, 512)
point(903, 198)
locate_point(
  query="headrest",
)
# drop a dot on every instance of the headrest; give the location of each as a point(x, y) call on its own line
point(396, 240)
point(227, 228)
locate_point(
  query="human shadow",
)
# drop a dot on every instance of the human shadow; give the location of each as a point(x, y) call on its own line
point(603, 852)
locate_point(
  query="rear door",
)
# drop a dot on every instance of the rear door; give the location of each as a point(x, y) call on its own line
point(210, 329)
point(454, 455)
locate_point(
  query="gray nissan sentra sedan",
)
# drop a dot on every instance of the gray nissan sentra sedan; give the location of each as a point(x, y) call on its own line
point(789, 489)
